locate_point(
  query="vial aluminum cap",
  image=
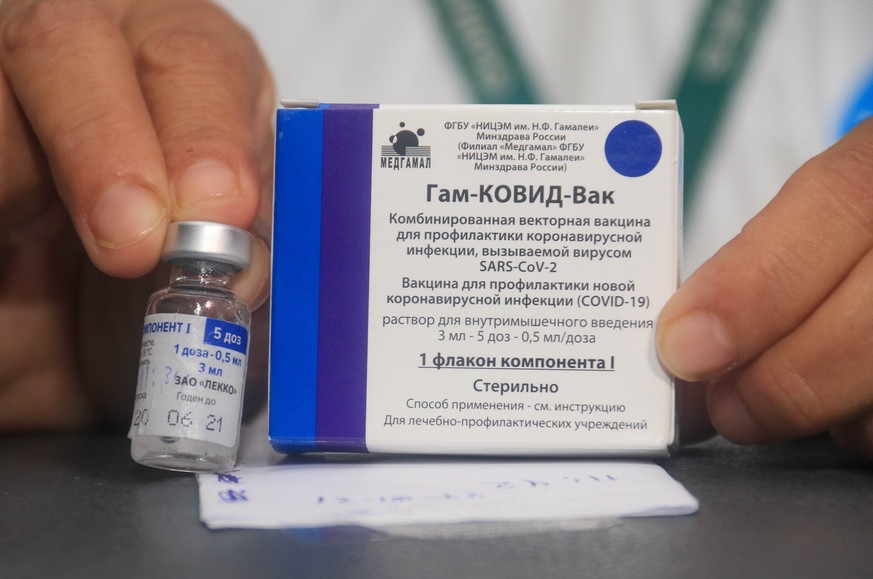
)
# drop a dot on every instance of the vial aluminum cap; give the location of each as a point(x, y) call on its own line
point(209, 241)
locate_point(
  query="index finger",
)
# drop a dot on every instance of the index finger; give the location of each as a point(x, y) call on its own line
point(71, 71)
point(777, 271)
point(163, 115)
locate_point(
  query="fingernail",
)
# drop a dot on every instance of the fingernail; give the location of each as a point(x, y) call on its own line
point(696, 346)
point(206, 180)
point(124, 215)
point(731, 416)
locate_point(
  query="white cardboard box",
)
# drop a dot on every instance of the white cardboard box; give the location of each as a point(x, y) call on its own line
point(474, 279)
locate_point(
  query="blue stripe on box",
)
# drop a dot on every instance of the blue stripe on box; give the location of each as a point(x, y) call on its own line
point(294, 308)
point(345, 278)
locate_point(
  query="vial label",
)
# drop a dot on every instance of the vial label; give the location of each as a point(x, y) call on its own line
point(191, 378)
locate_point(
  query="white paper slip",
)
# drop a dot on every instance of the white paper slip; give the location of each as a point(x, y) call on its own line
point(379, 492)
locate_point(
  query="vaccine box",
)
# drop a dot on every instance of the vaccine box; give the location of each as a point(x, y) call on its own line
point(473, 279)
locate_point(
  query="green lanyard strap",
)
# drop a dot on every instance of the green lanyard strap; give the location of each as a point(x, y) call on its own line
point(726, 33)
point(484, 49)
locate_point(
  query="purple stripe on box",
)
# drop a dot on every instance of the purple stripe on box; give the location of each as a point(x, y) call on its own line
point(345, 279)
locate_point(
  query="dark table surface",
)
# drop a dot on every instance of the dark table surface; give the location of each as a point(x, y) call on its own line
point(77, 506)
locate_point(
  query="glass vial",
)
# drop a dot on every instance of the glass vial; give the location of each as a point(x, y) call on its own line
point(195, 339)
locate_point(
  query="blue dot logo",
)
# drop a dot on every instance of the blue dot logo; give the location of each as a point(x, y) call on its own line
point(633, 148)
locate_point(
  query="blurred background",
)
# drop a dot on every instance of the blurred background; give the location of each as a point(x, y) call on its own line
point(762, 85)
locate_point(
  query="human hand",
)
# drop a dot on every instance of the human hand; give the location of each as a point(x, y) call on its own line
point(116, 117)
point(779, 322)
